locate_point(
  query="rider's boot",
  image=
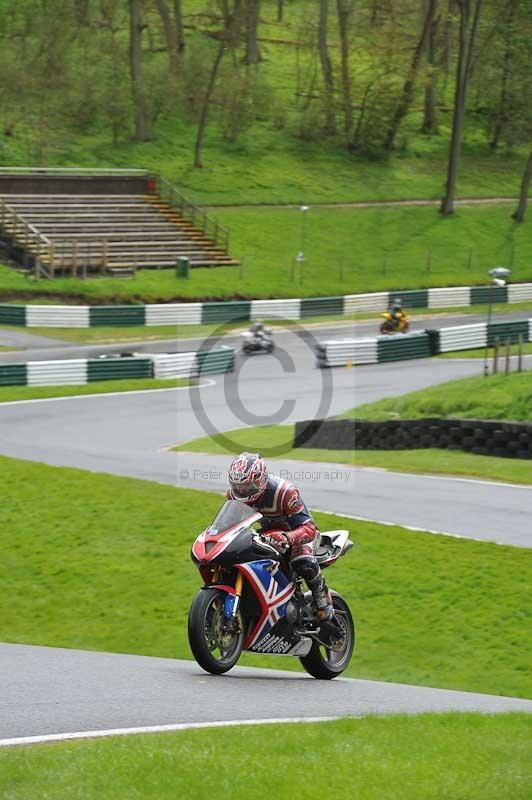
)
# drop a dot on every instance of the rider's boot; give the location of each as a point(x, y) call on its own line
point(322, 598)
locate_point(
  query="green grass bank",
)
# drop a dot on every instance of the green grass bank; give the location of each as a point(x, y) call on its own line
point(504, 397)
point(269, 440)
point(347, 251)
point(471, 756)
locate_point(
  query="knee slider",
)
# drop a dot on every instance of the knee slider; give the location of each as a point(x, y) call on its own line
point(307, 568)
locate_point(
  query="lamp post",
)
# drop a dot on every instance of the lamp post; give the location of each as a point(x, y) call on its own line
point(498, 278)
point(301, 255)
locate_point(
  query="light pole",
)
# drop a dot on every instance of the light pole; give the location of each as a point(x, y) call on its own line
point(498, 276)
point(301, 255)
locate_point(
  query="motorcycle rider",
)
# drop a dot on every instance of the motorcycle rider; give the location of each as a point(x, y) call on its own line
point(259, 332)
point(396, 312)
point(287, 522)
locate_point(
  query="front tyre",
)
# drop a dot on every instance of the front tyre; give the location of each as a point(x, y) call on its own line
point(329, 662)
point(213, 645)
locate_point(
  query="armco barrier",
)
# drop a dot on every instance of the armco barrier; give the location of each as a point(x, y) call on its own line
point(243, 310)
point(117, 315)
point(174, 365)
point(57, 316)
point(12, 314)
point(221, 359)
point(56, 373)
point(13, 375)
point(463, 337)
point(174, 314)
point(484, 437)
point(192, 365)
point(456, 296)
point(106, 369)
point(70, 372)
point(507, 330)
point(419, 344)
point(399, 348)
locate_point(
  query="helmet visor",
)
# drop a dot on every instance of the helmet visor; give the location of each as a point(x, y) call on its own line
point(244, 490)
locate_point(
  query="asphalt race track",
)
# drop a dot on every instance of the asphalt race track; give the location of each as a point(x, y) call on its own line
point(127, 435)
point(48, 690)
point(81, 691)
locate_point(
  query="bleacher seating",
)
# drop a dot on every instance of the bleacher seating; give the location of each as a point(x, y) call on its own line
point(104, 232)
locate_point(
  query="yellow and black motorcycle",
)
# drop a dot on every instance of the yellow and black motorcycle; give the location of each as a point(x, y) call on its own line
point(394, 322)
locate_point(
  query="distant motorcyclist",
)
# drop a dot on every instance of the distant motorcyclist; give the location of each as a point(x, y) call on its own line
point(259, 332)
point(286, 522)
point(396, 310)
point(395, 319)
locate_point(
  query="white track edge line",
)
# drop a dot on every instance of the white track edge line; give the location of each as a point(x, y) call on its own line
point(415, 528)
point(180, 726)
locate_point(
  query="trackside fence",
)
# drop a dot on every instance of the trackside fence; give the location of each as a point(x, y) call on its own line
point(71, 372)
point(420, 344)
point(244, 310)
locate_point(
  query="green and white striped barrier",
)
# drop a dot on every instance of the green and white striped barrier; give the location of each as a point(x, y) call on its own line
point(420, 344)
point(74, 371)
point(69, 372)
point(52, 316)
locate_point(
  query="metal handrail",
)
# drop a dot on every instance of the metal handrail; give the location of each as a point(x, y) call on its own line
point(209, 226)
point(26, 228)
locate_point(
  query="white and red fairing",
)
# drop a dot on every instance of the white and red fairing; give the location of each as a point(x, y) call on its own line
point(211, 543)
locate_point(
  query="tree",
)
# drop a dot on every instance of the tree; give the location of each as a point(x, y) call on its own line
point(466, 45)
point(142, 120)
point(171, 35)
point(344, 10)
point(430, 124)
point(228, 37)
point(448, 33)
point(504, 111)
point(326, 67)
point(252, 45)
point(519, 214)
point(409, 84)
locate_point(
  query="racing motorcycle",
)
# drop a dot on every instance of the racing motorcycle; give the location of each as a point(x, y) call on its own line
point(257, 344)
point(252, 600)
point(393, 325)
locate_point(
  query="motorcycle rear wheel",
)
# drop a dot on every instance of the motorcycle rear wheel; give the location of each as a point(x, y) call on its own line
point(214, 650)
point(327, 663)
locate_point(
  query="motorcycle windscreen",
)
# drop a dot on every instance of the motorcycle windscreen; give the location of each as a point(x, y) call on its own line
point(232, 513)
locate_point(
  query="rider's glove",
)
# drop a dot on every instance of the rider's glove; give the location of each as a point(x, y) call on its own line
point(277, 539)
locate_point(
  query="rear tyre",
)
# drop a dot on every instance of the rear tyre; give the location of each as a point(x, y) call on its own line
point(214, 649)
point(326, 663)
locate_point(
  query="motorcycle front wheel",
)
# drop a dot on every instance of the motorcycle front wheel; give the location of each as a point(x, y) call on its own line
point(329, 662)
point(215, 648)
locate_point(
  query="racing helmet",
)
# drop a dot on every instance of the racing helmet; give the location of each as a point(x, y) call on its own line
point(248, 475)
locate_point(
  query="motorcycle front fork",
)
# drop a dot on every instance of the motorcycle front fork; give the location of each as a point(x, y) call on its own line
point(232, 602)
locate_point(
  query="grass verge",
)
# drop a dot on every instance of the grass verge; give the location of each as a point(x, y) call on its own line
point(390, 251)
point(10, 393)
point(104, 565)
point(471, 756)
point(481, 352)
point(141, 333)
point(267, 440)
point(505, 397)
